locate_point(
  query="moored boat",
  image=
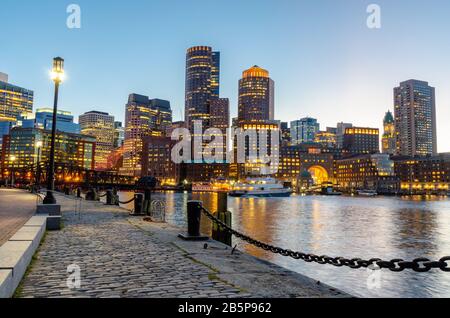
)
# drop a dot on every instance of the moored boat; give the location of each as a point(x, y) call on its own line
point(367, 193)
point(260, 188)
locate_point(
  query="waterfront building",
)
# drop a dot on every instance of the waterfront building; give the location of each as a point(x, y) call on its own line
point(202, 84)
point(30, 146)
point(157, 161)
point(203, 172)
point(340, 132)
point(367, 172)
point(220, 119)
point(304, 130)
point(14, 100)
point(5, 128)
point(422, 175)
point(362, 140)
point(389, 140)
point(99, 125)
point(256, 96)
point(119, 134)
point(144, 117)
point(43, 119)
point(415, 119)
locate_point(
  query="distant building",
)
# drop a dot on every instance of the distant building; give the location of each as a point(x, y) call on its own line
point(175, 125)
point(326, 138)
point(157, 160)
point(14, 101)
point(5, 128)
point(144, 117)
point(285, 133)
point(423, 175)
point(3, 77)
point(202, 84)
point(367, 172)
point(119, 134)
point(415, 118)
point(388, 140)
point(220, 119)
point(340, 132)
point(99, 125)
point(256, 96)
point(304, 130)
point(43, 119)
point(361, 140)
point(73, 151)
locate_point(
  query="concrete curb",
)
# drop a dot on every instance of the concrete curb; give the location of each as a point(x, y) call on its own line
point(17, 253)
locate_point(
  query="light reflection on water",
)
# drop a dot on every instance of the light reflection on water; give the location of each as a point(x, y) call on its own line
point(382, 227)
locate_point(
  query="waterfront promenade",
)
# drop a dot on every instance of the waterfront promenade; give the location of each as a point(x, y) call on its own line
point(122, 256)
point(16, 208)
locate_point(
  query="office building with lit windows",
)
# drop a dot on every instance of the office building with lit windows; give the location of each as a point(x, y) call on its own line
point(389, 140)
point(367, 172)
point(202, 84)
point(256, 96)
point(220, 120)
point(99, 125)
point(423, 175)
point(14, 100)
point(144, 117)
point(304, 130)
point(26, 148)
point(119, 134)
point(415, 119)
point(362, 140)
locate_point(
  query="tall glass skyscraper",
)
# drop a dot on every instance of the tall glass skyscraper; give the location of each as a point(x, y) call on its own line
point(256, 96)
point(202, 83)
point(14, 101)
point(415, 118)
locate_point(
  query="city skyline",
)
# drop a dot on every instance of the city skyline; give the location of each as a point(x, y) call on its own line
point(367, 81)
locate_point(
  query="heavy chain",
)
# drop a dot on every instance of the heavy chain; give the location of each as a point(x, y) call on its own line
point(127, 202)
point(419, 265)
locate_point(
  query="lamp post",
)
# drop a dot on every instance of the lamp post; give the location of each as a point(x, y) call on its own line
point(39, 146)
point(57, 77)
point(13, 160)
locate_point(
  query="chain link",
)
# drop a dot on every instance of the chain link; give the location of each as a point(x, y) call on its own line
point(420, 265)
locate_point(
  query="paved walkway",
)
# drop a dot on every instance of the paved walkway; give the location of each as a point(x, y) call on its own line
point(121, 256)
point(16, 208)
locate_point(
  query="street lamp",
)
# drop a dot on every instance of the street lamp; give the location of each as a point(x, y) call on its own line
point(12, 158)
point(57, 76)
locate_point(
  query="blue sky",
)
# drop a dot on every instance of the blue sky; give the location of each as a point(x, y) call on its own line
point(324, 60)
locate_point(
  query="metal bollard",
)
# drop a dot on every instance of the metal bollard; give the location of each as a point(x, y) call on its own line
point(194, 213)
point(109, 197)
point(225, 216)
point(78, 192)
point(138, 204)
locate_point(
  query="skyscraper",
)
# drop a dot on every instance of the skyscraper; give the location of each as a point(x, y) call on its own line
point(14, 100)
point(415, 118)
point(256, 96)
point(101, 126)
point(362, 140)
point(388, 143)
point(202, 83)
point(220, 119)
point(144, 117)
point(304, 130)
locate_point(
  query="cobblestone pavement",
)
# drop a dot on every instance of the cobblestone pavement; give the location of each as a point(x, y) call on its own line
point(16, 208)
point(116, 259)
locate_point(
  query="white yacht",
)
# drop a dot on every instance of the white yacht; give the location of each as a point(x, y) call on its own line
point(263, 187)
point(367, 193)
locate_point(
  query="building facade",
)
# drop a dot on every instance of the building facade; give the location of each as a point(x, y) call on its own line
point(415, 119)
point(326, 138)
point(220, 120)
point(99, 125)
point(367, 172)
point(340, 132)
point(389, 141)
point(304, 130)
point(26, 148)
point(119, 134)
point(424, 175)
point(157, 160)
point(142, 119)
point(202, 84)
point(256, 96)
point(43, 119)
point(14, 101)
point(362, 140)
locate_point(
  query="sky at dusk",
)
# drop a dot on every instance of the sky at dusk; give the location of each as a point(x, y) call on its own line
point(325, 61)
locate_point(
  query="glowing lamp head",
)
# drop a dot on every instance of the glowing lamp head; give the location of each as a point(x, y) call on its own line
point(39, 144)
point(12, 158)
point(57, 73)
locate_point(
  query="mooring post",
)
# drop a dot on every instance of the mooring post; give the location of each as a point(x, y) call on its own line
point(138, 203)
point(109, 197)
point(78, 192)
point(194, 214)
point(223, 215)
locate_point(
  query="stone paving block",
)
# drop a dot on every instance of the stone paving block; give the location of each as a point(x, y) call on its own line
point(37, 220)
point(16, 256)
point(29, 233)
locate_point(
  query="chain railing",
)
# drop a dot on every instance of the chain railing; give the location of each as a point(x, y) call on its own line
point(419, 265)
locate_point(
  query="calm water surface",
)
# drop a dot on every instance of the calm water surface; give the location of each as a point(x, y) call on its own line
point(382, 227)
